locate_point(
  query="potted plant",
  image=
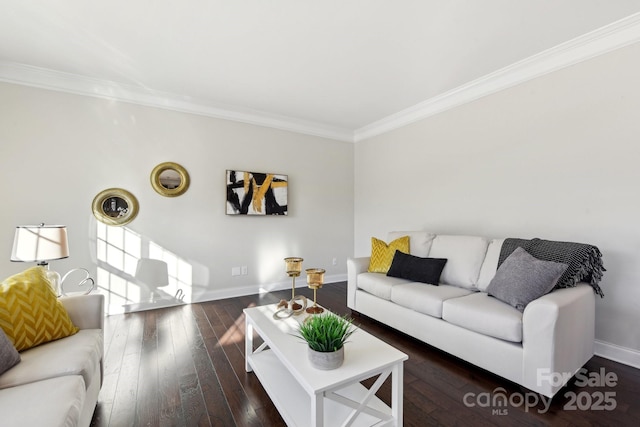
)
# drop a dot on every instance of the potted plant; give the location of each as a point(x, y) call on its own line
point(326, 335)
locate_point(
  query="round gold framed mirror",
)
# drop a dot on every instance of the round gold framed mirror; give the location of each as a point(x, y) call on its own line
point(170, 179)
point(115, 206)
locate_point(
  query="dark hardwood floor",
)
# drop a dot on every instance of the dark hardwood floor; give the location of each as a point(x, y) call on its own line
point(184, 366)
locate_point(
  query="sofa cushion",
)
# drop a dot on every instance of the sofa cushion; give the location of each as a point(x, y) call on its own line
point(78, 354)
point(53, 402)
point(522, 278)
point(419, 241)
point(9, 356)
point(382, 253)
point(378, 284)
point(464, 255)
point(490, 264)
point(424, 298)
point(30, 312)
point(481, 313)
point(417, 269)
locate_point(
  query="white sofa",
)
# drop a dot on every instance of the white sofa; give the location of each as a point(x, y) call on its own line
point(57, 383)
point(551, 339)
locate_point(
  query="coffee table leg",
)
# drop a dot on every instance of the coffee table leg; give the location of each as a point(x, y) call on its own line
point(397, 373)
point(317, 410)
point(248, 343)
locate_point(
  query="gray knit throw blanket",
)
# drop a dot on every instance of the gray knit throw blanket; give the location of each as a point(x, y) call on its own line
point(584, 261)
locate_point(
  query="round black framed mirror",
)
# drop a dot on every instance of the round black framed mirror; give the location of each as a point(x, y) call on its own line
point(115, 206)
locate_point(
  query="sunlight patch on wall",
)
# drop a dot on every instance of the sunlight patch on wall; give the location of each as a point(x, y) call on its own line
point(180, 271)
point(118, 250)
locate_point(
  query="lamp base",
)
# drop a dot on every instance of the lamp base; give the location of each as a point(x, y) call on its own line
point(53, 277)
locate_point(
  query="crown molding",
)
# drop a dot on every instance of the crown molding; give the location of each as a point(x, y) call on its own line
point(598, 42)
point(27, 75)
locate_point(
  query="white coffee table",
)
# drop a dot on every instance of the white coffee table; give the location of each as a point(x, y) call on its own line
point(306, 396)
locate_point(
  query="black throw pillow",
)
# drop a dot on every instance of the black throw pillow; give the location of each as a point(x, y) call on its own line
point(411, 267)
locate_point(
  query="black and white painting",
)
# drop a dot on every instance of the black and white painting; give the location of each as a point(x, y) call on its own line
point(256, 193)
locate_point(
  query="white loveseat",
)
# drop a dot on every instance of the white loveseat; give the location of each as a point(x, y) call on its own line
point(57, 383)
point(552, 338)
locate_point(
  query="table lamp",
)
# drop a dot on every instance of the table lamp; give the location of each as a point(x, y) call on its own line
point(40, 244)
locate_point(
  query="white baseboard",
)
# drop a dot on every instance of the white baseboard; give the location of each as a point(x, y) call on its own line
point(626, 356)
point(211, 295)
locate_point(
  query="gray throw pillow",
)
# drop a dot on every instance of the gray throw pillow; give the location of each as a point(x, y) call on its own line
point(9, 356)
point(523, 278)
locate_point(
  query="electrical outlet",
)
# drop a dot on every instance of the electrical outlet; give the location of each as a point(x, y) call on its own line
point(244, 270)
point(335, 261)
point(235, 271)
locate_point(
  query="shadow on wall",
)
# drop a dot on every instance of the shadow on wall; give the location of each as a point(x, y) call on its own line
point(135, 273)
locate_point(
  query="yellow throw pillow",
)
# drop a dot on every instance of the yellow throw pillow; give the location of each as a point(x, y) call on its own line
point(382, 254)
point(30, 313)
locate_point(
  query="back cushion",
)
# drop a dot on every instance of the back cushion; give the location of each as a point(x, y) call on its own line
point(490, 264)
point(419, 241)
point(464, 255)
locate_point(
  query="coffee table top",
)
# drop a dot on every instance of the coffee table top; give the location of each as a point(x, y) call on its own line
point(364, 354)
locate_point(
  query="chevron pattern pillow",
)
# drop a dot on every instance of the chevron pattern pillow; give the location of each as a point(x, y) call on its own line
point(30, 313)
point(382, 254)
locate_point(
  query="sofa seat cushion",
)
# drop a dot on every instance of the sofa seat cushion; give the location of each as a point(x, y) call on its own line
point(424, 298)
point(78, 354)
point(484, 314)
point(379, 284)
point(52, 402)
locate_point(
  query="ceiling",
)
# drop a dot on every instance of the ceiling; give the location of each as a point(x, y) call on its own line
point(341, 66)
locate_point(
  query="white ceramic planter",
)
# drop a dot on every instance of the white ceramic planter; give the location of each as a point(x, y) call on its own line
point(326, 361)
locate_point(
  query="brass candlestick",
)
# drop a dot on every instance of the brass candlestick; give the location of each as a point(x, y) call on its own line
point(315, 280)
point(294, 268)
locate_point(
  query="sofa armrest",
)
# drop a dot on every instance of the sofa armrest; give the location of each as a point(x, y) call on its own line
point(558, 337)
point(86, 311)
point(355, 266)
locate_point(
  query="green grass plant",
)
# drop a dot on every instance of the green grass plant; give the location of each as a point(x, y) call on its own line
point(326, 332)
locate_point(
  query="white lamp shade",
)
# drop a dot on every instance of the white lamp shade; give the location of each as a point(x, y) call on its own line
point(39, 243)
point(152, 272)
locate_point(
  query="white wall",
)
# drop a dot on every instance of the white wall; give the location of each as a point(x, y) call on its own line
point(57, 151)
point(555, 158)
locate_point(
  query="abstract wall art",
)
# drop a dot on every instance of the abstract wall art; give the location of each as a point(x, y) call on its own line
point(256, 193)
